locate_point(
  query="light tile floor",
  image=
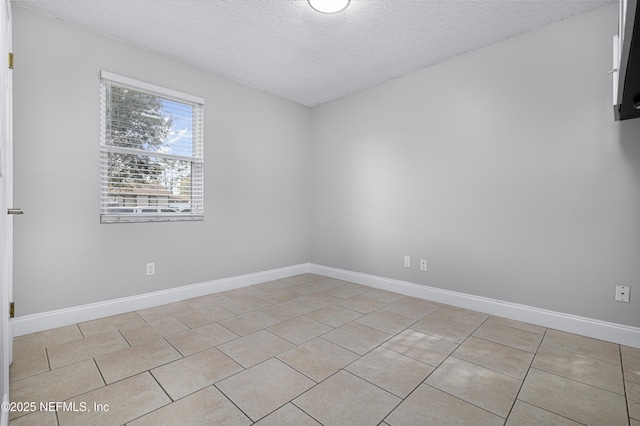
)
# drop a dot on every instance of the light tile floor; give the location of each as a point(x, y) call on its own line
point(311, 350)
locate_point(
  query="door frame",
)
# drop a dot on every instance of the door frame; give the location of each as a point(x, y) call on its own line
point(6, 201)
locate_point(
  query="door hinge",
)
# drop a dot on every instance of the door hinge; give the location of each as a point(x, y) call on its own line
point(10, 60)
point(12, 310)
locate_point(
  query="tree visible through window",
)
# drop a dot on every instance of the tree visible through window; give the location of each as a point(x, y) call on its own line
point(152, 157)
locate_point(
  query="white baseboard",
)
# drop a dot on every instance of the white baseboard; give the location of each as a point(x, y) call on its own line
point(611, 332)
point(47, 320)
point(616, 333)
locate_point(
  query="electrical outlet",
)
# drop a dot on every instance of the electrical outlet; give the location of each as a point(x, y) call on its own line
point(151, 268)
point(622, 293)
point(407, 261)
point(423, 265)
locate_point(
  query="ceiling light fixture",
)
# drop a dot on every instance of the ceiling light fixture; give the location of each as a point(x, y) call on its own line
point(329, 6)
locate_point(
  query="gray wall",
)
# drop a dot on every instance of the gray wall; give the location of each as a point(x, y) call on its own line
point(502, 167)
point(256, 176)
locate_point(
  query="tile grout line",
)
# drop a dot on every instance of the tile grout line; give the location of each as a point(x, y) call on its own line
point(125, 339)
point(336, 372)
point(583, 383)
point(452, 355)
point(542, 408)
point(80, 329)
point(176, 349)
point(504, 345)
point(231, 401)
point(308, 390)
point(551, 412)
point(585, 356)
point(163, 389)
point(46, 352)
point(489, 368)
point(389, 392)
point(402, 399)
point(300, 408)
point(155, 409)
point(405, 398)
point(464, 400)
point(297, 396)
point(298, 371)
point(99, 371)
point(525, 376)
point(624, 385)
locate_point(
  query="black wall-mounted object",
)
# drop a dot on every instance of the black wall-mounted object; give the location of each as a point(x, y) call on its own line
point(627, 69)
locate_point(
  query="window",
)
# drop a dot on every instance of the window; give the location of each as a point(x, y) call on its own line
point(151, 142)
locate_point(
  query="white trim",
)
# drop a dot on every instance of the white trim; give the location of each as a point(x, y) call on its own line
point(196, 160)
point(59, 318)
point(6, 200)
point(616, 333)
point(155, 154)
point(4, 415)
point(148, 87)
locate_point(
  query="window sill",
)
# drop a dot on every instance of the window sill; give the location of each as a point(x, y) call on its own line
point(141, 218)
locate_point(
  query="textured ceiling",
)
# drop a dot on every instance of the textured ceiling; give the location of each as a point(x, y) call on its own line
point(286, 48)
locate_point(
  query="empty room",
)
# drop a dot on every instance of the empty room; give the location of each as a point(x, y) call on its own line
point(320, 212)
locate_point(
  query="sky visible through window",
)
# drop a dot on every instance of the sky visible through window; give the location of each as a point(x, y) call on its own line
point(179, 140)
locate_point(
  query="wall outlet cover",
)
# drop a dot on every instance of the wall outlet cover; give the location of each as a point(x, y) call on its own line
point(423, 265)
point(622, 293)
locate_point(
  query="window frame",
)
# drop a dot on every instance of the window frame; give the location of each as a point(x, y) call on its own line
point(120, 214)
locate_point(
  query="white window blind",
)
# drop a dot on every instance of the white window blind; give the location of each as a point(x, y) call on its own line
point(152, 156)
